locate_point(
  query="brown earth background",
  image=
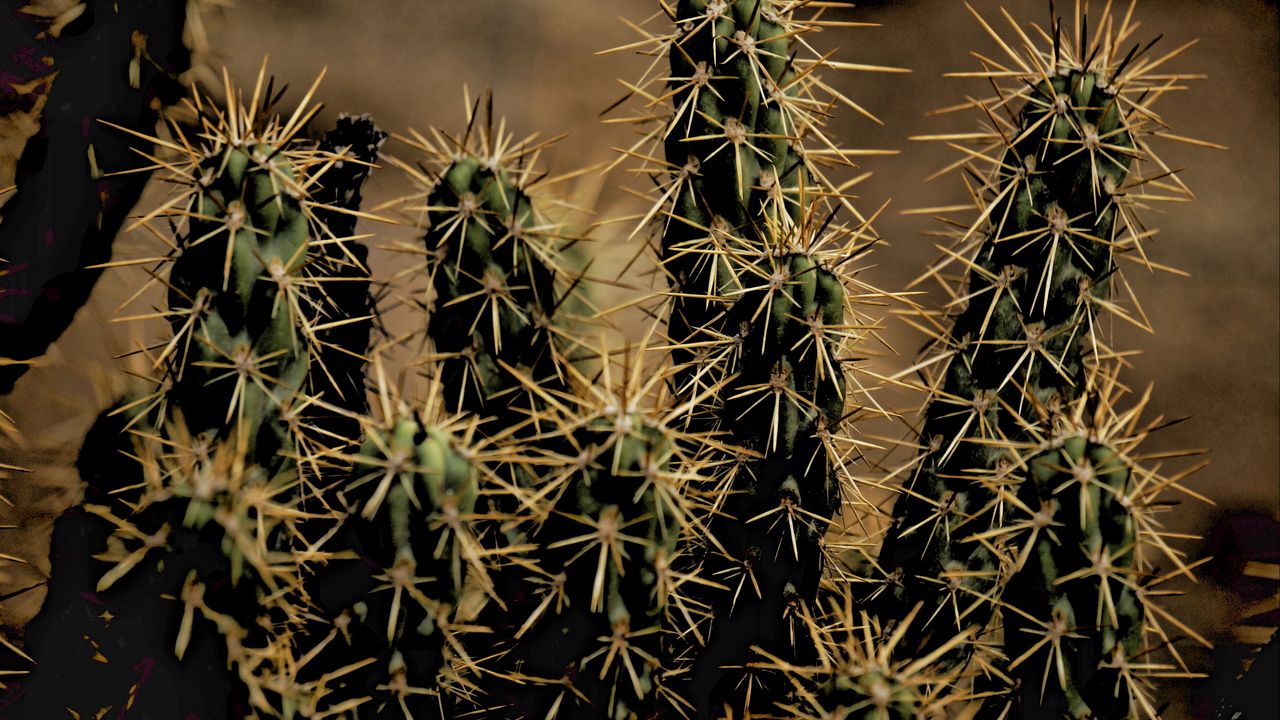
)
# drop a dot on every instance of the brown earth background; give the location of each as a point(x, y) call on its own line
point(1213, 356)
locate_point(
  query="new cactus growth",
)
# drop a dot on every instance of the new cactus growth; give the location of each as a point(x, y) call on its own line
point(1083, 631)
point(1039, 263)
point(860, 673)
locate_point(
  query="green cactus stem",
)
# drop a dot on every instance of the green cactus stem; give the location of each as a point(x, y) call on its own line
point(391, 614)
point(498, 290)
point(1040, 263)
point(1074, 619)
point(603, 542)
point(759, 321)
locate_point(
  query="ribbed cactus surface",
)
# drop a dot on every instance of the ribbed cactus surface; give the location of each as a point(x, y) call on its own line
point(550, 529)
point(1074, 621)
point(1029, 283)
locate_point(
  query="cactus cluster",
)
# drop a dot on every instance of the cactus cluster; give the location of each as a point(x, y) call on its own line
point(541, 524)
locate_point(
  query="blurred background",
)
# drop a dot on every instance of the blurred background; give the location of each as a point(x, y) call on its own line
point(1212, 359)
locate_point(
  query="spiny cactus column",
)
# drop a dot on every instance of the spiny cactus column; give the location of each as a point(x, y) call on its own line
point(1039, 263)
point(494, 265)
point(219, 441)
point(1074, 623)
point(759, 315)
point(613, 478)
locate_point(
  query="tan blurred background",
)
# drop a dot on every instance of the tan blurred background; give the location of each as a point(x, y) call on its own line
point(1215, 353)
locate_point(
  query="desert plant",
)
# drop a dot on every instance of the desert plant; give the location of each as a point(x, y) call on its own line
point(566, 529)
point(224, 447)
point(495, 263)
point(1063, 174)
point(763, 316)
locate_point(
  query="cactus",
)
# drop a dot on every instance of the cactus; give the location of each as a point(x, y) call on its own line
point(1041, 261)
point(611, 504)
point(393, 640)
point(494, 264)
point(224, 443)
point(341, 293)
point(761, 313)
point(553, 532)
